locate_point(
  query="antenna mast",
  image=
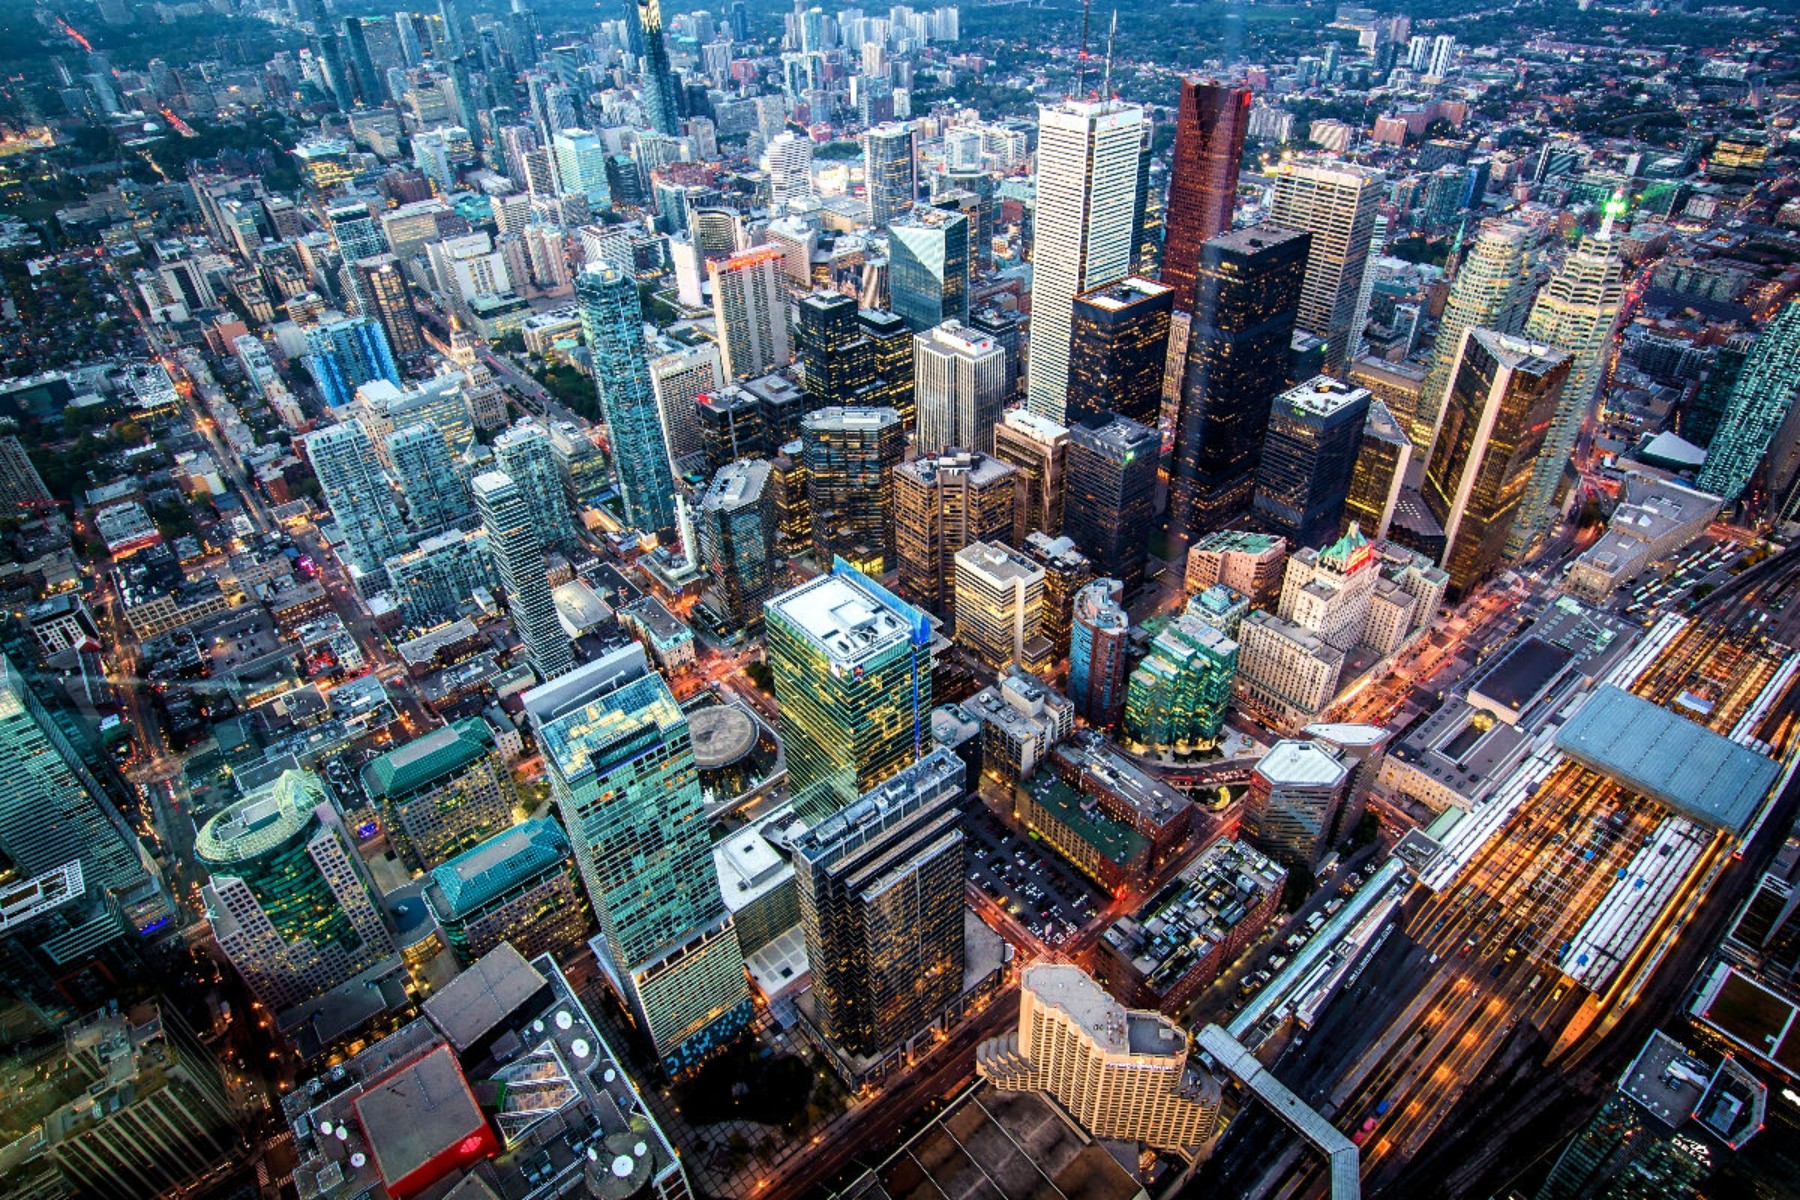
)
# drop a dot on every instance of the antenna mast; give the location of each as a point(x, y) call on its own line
point(1106, 80)
point(1081, 59)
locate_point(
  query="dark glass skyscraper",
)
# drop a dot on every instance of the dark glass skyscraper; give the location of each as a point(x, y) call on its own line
point(881, 901)
point(890, 170)
point(383, 293)
point(1245, 302)
point(1307, 458)
point(836, 359)
point(928, 267)
point(1119, 341)
point(1110, 496)
point(612, 318)
point(658, 77)
point(1209, 141)
point(851, 454)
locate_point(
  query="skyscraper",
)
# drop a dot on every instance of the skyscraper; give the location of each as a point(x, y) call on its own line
point(1503, 396)
point(881, 903)
point(621, 765)
point(1575, 311)
point(517, 544)
point(384, 294)
point(1491, 290)
point(1039, 448)
point(836, 359)
point(737, 540)
point(1087, 178)
point(1760, 400)
point(612, 319)
point(1122, 1074)
point(892, 345)
point(358, 494)
point(436, 496)
point(1066, 571)
point(750, 310)
point(890, 168)
point(355, 231)
point(1108, 504)
point(346, 353)
point(1099, 637)
point(580, 157)
point(928, 267)
point(53, 810)
point(1309, 452)
point(1246, 301)
point(787, 160)
point(289, 901)
point(677, 381)
point(524, 453)
point(959, 385)
point(1335, 202)
point(852, 666)
point(657, 78)
point(1000, 607)
point(1382, 457)
point(1119, 342)
point(22, 489)
point(941, 504)
point(1210, 122)
point(443, 792)
point(851, 454)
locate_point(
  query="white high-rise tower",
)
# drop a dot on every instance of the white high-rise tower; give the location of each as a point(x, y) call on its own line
point(1087, 178)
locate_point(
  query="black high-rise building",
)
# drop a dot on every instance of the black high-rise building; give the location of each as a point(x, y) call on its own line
point(1246, 297)
point(1308, 455)
point(1002, 325)
point(881, 903)
point(1118, 345)
point(892, 345)
point(368, 83)
point(837, 360)
point(1109, 498)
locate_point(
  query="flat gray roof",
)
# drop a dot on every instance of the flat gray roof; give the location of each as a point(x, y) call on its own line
point(1665, 756)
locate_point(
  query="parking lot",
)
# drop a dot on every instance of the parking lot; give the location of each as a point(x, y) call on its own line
point(1025, 876)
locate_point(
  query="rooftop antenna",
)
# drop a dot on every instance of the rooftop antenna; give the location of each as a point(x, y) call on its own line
point(1106, 80)
point(1081, 59)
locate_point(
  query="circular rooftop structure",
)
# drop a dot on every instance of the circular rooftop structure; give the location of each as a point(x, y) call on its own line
point(722, 734)
point(262, 821)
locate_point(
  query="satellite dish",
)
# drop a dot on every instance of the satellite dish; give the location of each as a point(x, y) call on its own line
point(325, 1128)
point(610, 1075)
point(343, 1135)
point(640, 1149)
point(564, 1021)
point(581, 1048)
point(358, 1159)
point(622, 1166)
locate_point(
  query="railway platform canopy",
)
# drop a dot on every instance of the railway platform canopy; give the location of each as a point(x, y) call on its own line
point(1668, 758)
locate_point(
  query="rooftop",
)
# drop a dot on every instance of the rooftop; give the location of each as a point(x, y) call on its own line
point(1082, 816)
point(1321, 396)
point(1123, 294)
point(1665, 1080)
point(419, 1112)
point(469, 1007)
point(845, 617)
point(721, 734)
point(1292, 763)
point(494, 867)
point(751, 863)
point(1520, 673)
point(997, 561)
point(1670, 759)
point(264, 819)
point(428, 759)
point(736, 483)
point(1178, 928)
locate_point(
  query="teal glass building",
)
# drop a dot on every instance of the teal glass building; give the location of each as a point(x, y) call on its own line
point(612, 320)
point(622, 772)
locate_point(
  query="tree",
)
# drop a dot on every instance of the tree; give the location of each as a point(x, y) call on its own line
point(1301, 883)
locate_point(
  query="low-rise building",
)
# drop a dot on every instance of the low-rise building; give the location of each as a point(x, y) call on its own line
point(1022, 720)
point(1248, 563)
point(667, 638)
point(1655, 518)
point(1127, 794)
point(562, 1116)
point(1188, 933)
point(518, 886)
